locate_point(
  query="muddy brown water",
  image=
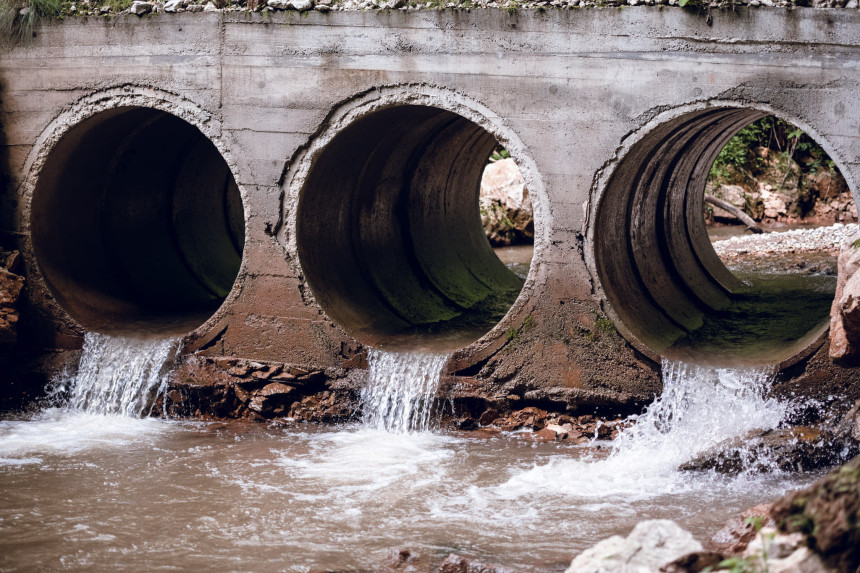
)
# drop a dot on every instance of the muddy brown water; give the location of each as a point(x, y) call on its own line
point(98, 493)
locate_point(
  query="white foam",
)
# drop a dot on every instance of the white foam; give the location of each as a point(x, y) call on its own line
point(400, 393)
point(699, 408)
point(62, 432)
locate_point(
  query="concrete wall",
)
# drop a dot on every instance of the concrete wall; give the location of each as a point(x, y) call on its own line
point(567, 92)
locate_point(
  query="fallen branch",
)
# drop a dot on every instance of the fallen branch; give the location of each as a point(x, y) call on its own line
point(737, 213)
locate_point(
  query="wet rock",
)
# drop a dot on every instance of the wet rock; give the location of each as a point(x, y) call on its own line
point(466, 423)
point(458, 564)
point(488, 417)
point(531, 418)
point(10, 291)
point(545, 435)
point(506, 210)
point(267, 372)
point(560, 431)
point(649, 546)
point(845, 311)
point(788, 449)
point(827, 513)
point(404, 561)
point(326, 407)
point(736, 535)
point(240, 370)
point(694, 562)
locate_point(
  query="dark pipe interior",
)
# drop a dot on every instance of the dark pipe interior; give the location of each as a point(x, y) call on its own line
point(389, 230)
point(137, 223)
point(660, 273)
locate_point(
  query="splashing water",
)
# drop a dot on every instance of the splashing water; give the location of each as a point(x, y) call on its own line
point(119, 375)
point(400, 393)
point(103, 406)
point(699, 408)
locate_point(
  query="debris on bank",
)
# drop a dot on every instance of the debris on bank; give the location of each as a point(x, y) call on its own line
point(818, 239)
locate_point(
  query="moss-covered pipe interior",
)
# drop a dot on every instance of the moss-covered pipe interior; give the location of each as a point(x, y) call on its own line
point(389, 230)
point(137, 223)
point(659, 272)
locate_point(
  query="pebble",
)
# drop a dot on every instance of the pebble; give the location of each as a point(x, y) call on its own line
point(794, 241)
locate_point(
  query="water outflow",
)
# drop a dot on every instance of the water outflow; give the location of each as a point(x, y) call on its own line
point(699, 408)
point(119, 375)
point(400, 393)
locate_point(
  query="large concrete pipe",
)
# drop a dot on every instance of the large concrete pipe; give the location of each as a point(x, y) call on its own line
point(389, 230)
point(137, 223)
point(659, 273)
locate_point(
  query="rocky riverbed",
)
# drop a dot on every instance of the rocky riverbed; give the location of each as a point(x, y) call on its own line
point(795, 241)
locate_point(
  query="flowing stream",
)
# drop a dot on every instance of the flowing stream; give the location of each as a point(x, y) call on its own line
point(93, 486)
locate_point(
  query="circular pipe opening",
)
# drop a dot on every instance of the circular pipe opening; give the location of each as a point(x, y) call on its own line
point(137, 223)
point(665, 285)
point(389, 230)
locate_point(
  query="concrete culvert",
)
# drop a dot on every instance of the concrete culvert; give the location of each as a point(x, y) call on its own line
point(137, 223)
point(665, 286)
point(389, 230)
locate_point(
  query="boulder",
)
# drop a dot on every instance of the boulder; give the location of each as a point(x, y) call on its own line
point(787, 449)
point(140, 8)
point(827, 513)
point(506, 209)
point(776, 204)
point(649, 546)
point(736, 535)
point(734, 195)
point(271, 399)
point(845, 311)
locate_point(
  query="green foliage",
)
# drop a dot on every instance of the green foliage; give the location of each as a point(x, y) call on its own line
point(856, 244)
point(117, 5)
point(18, 18)
point(753, 563)
point(604, 325)
point(512, 334)
point(500, 154)
point(739, 160)
point(756, 521)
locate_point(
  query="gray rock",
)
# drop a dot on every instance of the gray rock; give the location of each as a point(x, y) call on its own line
point(649, 546)
point(302, 5)
point(210, 7)
point(140, 8)
point(173, 5)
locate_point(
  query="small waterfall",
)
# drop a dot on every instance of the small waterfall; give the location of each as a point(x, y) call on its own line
point(700, 407)
point(119, 375)
point(400, 392)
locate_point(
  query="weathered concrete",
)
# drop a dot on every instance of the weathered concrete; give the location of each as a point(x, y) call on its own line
point(576, 96)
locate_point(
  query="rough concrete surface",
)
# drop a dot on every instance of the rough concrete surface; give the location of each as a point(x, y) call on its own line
point(294, 104)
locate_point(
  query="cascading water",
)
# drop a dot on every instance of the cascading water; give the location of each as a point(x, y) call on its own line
point(104, 405)
point(120, 375)
point(700, 407)
point(400, 393)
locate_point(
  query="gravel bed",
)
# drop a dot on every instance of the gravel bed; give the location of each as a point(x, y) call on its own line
point(794, 241)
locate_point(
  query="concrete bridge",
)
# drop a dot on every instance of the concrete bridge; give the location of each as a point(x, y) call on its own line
point(329, 163)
